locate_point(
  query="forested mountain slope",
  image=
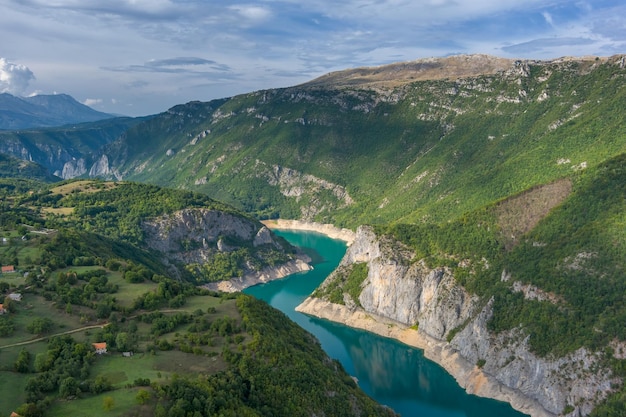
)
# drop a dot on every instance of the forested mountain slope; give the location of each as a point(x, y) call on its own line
point(496, 185)
point(372, 152)
point(65, 151)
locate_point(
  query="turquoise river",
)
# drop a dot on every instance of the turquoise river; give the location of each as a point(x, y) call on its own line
point(392, 373)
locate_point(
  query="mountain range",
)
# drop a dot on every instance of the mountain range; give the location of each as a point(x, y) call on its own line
point(44, 111)
point(495, 184)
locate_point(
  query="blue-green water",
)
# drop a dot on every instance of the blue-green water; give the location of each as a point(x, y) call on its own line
point(392, 373)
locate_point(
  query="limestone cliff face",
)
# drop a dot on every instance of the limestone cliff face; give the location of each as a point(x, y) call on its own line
point(73, 168)
point(51, 156)
point(194, 236)
point(405, 291)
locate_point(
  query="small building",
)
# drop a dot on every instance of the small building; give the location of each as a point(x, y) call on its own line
point(2, 309)
point(101, 348)
point(14, 414)
point(127, 354)
point(5, 240)
point(7, 269)
point(15, 296)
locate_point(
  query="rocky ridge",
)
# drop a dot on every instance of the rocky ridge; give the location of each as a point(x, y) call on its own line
point(194, 236)
point(401, 294)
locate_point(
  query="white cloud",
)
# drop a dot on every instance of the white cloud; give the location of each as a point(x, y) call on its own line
point(14, 78)
point(92, 101)
point(548, 18)
point(252, 12)
point(151, 53)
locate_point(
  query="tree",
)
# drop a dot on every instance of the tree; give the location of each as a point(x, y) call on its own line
point(43, 362)
point(108, 403)
point(68, 387)
point(122, 341)
point(22, 364)
point(40, 325)
point(103, 311)
point(143, 396)
point(6, 326)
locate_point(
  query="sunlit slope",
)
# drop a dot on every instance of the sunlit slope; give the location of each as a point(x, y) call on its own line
point(431, 149)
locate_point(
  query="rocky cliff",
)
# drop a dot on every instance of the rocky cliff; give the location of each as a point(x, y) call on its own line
point(195, 236)
point(401, 292)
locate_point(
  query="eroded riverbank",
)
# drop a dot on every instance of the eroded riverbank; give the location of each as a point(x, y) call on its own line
point(468, 375)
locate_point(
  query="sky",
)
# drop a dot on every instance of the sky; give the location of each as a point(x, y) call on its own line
point(141, 57)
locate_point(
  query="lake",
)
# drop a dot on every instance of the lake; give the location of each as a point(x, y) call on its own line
point(391, 372)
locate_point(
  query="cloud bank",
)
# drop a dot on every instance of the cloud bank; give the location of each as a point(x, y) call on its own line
point(14, 78)
point(153, 54)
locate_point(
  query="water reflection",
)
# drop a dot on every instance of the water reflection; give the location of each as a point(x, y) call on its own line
point(390, 372)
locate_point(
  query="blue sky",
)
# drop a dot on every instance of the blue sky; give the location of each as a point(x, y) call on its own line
point(139, 57)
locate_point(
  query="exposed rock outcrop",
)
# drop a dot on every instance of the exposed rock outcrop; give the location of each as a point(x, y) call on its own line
point(194, 236)
point(73, 168)
point(260, 277)
point(296, 185)
point(173, 233)
point(329, 230)
point(401, 292)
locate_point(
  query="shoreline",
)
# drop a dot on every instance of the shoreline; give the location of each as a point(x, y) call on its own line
point(300, 264)
point(329, 230)
point(469, 376)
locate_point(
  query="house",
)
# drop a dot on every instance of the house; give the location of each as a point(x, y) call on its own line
point(15, 296)
point(14, 414)
point(2, 309)
point(127, 354)
point(5, 240)
point(7, 269)
point(101, 348)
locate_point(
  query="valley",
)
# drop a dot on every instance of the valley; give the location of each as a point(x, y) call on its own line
point(484, 198)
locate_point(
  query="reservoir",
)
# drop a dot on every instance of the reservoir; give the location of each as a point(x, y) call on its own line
point(391, 372)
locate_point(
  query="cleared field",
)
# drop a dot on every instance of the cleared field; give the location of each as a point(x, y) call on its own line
point(82, 187)
point(123, 404)
point(12, 386)
point(128, 292)
point(120, 370)
point(61, 211)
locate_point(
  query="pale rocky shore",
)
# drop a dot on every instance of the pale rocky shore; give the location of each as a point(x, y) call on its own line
point(329, 230)
point(467, 375)
point(300, 264)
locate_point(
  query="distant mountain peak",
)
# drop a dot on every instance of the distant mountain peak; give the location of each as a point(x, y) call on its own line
point(44, 111)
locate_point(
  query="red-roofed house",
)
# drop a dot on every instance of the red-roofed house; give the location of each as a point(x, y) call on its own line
point(8, 268)
point(2, 309)
point(101, 348)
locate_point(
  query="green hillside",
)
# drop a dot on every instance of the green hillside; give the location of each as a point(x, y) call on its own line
point(425, 150)
point(84, 275)
point(11, 167)
point(512, 176)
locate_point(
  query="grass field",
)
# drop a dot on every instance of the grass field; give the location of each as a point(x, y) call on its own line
point(25, 251)
point(33, 306)
point(12, 388)
point(82, 186)
point(160, 366)
point(128, 292)
point(120, 370)
point(124, 404)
